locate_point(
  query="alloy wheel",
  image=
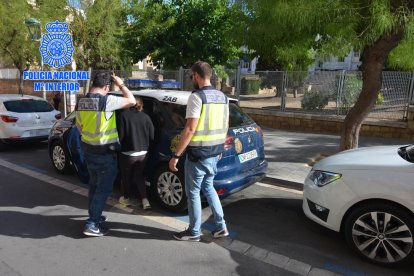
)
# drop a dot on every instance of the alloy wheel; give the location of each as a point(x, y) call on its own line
point(382, 237)
point(59, 158)
point(170, 189)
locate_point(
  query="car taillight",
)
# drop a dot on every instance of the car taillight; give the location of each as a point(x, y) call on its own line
point(8, 119)
point(221, 191)
point(58, 116)
point(228, 143)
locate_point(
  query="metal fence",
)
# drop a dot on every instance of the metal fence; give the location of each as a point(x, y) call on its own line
point(325, 92)
point(318, 92)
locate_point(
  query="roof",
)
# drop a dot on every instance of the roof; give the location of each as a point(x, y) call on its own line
point(8, 97)
point(170, 96)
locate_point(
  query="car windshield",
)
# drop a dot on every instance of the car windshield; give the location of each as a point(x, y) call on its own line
point(28, 106)
point(407, 153)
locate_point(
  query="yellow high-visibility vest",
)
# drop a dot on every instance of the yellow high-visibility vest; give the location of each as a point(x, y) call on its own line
point(96, 129)
point(211, 130)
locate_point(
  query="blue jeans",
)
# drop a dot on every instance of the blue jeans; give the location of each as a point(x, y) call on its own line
point(199, 176)
point(102, 170)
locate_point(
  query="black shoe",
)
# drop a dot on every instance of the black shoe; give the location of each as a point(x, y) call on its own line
point(103, 219)
point(95, 231)
point(186, 236)
point(220, 234)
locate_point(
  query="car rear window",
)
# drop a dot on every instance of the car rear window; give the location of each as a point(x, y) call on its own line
point(237, 117)
point(28, 106)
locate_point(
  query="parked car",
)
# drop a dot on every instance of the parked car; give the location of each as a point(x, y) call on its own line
point(25, 118)
point(368, 195)
point(243, 162)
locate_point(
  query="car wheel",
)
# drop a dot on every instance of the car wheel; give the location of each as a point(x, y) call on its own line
point(169, 189)
point(60, 158)
point(381, 233)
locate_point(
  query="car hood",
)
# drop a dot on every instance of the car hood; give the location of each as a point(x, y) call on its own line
point(369, 158)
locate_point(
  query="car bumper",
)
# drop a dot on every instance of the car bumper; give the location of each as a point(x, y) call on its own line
point(24, 139)
point(326, 205)
point(26, 133)
point(241, 181)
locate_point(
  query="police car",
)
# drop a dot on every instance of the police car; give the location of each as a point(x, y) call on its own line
point(242, 164)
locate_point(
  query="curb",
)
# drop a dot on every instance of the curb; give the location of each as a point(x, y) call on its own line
point(282, 183)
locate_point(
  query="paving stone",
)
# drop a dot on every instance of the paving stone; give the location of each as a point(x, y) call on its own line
point(239, 246)
point(297, 267)
point(257, 253)
point(276, 259)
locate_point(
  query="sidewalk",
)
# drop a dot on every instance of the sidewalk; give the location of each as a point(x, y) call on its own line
point(289, 153)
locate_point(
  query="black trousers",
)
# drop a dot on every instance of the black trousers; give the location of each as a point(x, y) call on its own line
point(132, 168)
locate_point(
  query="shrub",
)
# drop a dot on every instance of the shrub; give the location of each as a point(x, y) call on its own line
point(314, 100)
point(250, 86)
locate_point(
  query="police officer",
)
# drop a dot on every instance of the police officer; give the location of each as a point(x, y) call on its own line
point(203, 136)
point(95, 119)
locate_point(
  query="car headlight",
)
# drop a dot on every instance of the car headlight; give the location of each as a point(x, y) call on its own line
point(322, 178)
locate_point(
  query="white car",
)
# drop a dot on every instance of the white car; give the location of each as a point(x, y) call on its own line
point(368, 195)
point(25, 118)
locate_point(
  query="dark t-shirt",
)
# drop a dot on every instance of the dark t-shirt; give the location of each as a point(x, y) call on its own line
point(135, 130)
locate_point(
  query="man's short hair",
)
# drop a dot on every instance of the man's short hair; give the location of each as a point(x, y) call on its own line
point(203, 69)
point(101, 79)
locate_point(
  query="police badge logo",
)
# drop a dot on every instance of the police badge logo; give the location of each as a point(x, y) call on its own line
point(56, 47)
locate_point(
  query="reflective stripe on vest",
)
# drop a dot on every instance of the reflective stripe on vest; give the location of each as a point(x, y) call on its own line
point(211, 129)
point(96, 129)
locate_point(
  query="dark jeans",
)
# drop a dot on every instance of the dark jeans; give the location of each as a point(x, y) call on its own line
point(102, 170)
point(132, 168)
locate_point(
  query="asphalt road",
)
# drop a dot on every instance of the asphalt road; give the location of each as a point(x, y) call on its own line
point(41, 224)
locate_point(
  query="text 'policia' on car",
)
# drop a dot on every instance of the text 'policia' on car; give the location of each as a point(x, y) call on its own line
point(242, 164)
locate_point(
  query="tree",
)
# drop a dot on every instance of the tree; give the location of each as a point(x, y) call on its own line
point(383, 30)
point(16, 47)
point(98, 34)
point(179, 32)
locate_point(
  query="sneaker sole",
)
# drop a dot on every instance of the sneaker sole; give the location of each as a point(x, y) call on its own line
point(190, 240)
point(93, 234)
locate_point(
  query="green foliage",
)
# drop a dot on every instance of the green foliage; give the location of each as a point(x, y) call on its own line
point(16, 46)
point(284, 32)
point(351, 90)
point(179, 32)
point(250, 86)
point(220, 71)
point(380, 99)
point(314, 100)
point(98, 34)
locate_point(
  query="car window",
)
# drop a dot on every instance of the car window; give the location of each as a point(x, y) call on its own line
point(237, 117)
point(28, 106)
point(174, 114)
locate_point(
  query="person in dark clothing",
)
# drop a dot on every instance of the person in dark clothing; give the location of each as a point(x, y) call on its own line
point(136, 134)
point(56, 99)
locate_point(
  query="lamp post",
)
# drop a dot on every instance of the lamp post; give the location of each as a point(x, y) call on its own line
point(35, 31)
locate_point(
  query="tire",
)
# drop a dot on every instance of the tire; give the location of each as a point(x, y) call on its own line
point(389, 245)
point(168, 188)
point(60, 158)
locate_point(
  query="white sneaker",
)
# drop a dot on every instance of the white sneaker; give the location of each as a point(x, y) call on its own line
point(145, 204)
point(128, 201)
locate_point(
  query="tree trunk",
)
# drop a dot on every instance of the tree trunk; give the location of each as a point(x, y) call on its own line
point(374, 58)
point(21, 87)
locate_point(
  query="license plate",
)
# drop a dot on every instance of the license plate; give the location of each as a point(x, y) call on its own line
point(247, 156)
point(39, 132)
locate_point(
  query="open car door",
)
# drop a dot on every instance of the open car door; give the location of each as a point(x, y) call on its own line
point(73, 143)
